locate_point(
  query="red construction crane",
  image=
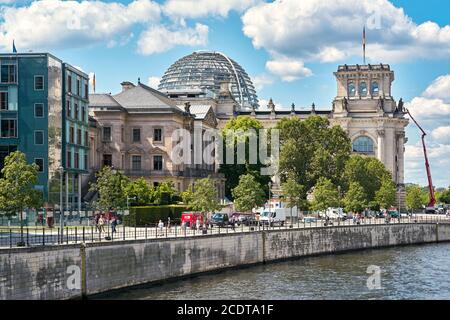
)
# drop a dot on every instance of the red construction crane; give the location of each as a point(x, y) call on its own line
point(427, 166)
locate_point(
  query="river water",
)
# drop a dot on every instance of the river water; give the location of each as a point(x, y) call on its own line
point(412, 272)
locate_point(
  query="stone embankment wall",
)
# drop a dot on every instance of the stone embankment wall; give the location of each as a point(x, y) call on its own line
point(71, 271)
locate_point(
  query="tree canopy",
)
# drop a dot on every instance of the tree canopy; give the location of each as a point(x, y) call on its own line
point(416, 197)
point(205, 196)
point(355, 198)
point(326, 195)
point(111, 186)
point(248, 194)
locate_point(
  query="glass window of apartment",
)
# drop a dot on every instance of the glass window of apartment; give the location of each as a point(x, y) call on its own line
point(106, 133)
point(69, 83)
point(38, 110)
point(136, 135)
point(78, 87)
point(68, 109)
point(86, 162)
point(136, 162)
point(8, 73)
point(86, 91)
point(38, 137)
point(83, 114)
point(72, 135)
point(8, 128)
point(79, 136)
point(76, 160)
point(107, 160)
point(157, 134)
point(77, 111)
point(86, 138)
point(69, 159)
point(40, 164)
point(4, 100)
point(157, 162)
point(38, 82)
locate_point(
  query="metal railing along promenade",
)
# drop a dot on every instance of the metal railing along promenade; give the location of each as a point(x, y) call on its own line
point(10, 237)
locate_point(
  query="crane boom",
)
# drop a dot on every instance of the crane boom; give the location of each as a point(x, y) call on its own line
point(432, 201)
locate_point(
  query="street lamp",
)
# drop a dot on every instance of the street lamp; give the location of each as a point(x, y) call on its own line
point(339, 204)
point(270, 211)
point(61, 207)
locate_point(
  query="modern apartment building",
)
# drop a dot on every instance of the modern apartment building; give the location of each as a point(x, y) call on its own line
point(44, 113)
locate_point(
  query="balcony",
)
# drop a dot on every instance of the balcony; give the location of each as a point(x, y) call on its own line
point(187, 173)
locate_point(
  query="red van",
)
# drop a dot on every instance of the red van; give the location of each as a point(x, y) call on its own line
point(190, 218)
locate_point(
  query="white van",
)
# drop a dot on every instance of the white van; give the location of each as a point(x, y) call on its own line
point(335, 213)
point(274, 217)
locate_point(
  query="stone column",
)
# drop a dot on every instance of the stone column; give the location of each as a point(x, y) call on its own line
point(400, 157)
point(380, 143)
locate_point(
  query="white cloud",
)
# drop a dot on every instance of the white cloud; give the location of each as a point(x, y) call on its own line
point(329, 31)
point(439, 89)
point(441, 134)
point(432, 111)
point(202, 8)
point(261, 81)
point(153, 82)
point(158, 39)
point(57, 24)
point(288, 69)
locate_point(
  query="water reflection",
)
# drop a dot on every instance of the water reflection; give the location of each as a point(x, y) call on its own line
point(415, 272)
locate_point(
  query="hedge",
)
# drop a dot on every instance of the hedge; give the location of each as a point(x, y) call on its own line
point(142, 216)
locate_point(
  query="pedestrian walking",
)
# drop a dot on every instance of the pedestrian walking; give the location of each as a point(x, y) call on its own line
point(197, 224)
point(113, 224)
point(161, 226)
point(96, 218)
point(101, 224)
point(168, 223)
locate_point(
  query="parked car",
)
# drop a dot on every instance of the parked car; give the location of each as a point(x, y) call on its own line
point(240, 218)
point(336, 213)
point(189, 219)
point(276, 217)
point(393, 213)
point(220, 220)
point(309, 219)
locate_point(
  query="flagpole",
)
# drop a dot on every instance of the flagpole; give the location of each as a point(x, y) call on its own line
point(364, 45)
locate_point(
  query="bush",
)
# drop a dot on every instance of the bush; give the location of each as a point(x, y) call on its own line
point(142, 216)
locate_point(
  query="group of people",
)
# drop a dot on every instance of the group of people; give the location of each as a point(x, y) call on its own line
point(101, 219)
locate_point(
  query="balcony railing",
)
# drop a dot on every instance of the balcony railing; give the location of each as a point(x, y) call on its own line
point(188, 172)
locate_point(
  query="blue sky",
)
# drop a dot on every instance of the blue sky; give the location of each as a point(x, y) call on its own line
point(289, 48)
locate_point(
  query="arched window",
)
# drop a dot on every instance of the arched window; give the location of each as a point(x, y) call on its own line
point(363, 144)
point(351, 89)
point(375, 88)
point(363, 89)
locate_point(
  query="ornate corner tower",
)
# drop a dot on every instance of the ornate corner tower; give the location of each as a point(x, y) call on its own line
point(375, 122)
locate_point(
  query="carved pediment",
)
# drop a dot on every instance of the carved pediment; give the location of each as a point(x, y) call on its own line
point(106, 148)
point(133, 149)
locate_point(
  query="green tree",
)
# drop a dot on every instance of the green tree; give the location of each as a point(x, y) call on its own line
point(444, 196)
point(140, 190)
point(164, 193)
point(234, 171)
point(311, 149)
point(385, 196)
point(294, 194)
point(369, 173)
point(188, 195)
point(111, 186)
point(355, 198)
point(326, 195)
point(205, 196)
point(248, 194)
point(416, 197)
point(17, 190)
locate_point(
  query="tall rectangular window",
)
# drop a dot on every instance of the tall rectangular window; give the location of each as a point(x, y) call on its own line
point(136, 162)
point(78, 87)
point(69, 159)
point(86, 167)
point(4, 100)
point(76, 160)
point(86, 91)
point(38, 110)
point(72, 135)
point(157, 162)
point(86, 138)
point(77, 111)
point(79, 137)
point(8, 73)
point(107, 160)
point(157, 134)
point(83, 114)
point(40, 164)
point(136, 135)
point(39, 83)
point(8, 128)
point(68, 109)
point(38, 137)
point(106, 133)
point(69, 83)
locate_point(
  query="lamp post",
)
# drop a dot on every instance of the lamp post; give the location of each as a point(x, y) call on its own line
point(339, 204)
point(270, 210)
point(61, 207)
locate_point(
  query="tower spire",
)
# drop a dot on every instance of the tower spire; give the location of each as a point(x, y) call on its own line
point(364, 44)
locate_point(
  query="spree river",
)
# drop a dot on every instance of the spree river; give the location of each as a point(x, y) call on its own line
point(413, 272)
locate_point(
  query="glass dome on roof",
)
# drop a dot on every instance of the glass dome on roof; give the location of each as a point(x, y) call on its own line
point(206, 70)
